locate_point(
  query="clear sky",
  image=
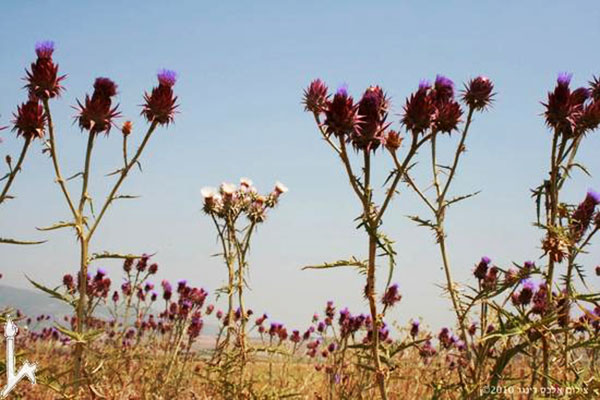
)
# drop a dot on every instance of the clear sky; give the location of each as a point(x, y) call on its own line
point(242, 69)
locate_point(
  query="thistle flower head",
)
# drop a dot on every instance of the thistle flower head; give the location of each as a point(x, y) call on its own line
point(526, 293)
point(280, 189)
point(569, 112)
point(160, 104)
point(96, 113)
point(167, 77)
point(42, 78)
point(391, 296)
point(419, 110)
point(443, 89)
point(315, 97)
point(44, 49)
point(448, 116)
point(414, 328)
point(564, 79)
point(595, 88)
point(127, 128)
point(341, 114)
point(481, 268)
point(30, 120)
point(582, 216)
point(372, 111)
point(478, 93)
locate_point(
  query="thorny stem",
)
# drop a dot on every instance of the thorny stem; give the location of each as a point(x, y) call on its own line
point(84, 260)
point(54, 156)
point(440, 214)
point(551, 223)
point(400, 172)
point(13, 173)
point(122, 177)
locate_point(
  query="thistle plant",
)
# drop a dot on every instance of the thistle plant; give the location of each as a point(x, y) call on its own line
point(236, 213)
point(96, 114)
point(571, 115)
point(363, 125)
point(433, 109)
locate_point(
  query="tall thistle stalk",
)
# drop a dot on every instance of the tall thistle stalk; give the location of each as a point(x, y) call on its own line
point(236, 213)
point(438, 100)
point(95, 116)
point(364, 126)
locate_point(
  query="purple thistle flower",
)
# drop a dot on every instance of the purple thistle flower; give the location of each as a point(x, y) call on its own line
point(424, 84)
point(342, 90)
point(167, 77)
point(391, 296)
point(582, 216)
point(482, 268)
point(414, 328)
point(564, 78)
point(44, 49)
point(444, 89)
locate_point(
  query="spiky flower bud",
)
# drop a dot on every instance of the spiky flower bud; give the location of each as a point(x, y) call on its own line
point(341, 114)
point(443, 90)
point(372, 111)
point(582, 216)
point(393, 141)
point(478, 93)
point(565, 108)
point(448, 116)
point(43, 80)
point(414, 328)
point(391, 296)
point(160, 105)
point(127, 128)
point(315, 97)
point(30, 120)
point(555, 246)
point(419, 110)
point(97, 113)
point(526, 292)
point(482, 268)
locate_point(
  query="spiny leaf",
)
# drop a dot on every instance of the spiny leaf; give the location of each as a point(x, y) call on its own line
point(21, 242)
point(79, 337)
point(52, 292)
point(352, 262)
point(125, 196)
point(461, 198)
point(75, 176)
point(106, 254)
point(423, 222)
point(58, 225)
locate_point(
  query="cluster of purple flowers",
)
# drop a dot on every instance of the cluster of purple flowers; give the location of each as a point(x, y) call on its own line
point(364, 123)
point(573, 112)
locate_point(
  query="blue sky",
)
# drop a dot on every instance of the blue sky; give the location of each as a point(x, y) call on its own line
point(242, 68)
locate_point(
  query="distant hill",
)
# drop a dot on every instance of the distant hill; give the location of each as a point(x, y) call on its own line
point(33, 303)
